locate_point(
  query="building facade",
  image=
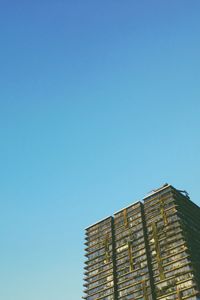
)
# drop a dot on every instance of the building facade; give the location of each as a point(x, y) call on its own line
point(149, 250)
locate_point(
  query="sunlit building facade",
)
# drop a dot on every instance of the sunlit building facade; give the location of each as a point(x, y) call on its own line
point(149, 250)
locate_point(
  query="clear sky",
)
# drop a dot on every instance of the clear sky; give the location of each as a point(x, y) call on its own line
point(99, 104)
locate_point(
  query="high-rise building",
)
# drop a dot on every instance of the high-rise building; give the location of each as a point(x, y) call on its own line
point(149, 250)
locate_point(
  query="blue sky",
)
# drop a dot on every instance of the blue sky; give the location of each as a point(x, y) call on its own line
point(99, 104)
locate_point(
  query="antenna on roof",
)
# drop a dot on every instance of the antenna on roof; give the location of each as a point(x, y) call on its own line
point(185, 193)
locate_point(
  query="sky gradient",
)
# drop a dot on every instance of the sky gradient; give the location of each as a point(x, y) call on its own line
point(99, 104)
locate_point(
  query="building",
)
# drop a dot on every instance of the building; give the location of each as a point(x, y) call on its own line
point(149, 250)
